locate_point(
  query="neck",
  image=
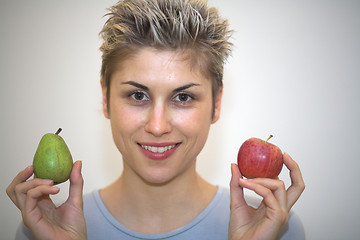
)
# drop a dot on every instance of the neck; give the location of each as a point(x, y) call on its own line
point(150, 208)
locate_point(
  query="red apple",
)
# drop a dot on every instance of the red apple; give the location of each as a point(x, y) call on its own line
point(260, 159)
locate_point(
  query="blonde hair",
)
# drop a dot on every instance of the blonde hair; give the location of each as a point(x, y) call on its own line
point(188, 25)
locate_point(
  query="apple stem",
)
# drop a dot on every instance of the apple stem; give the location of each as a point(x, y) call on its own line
point(268, 138)
point(58, 131)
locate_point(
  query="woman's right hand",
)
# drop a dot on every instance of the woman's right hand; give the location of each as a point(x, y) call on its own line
point(39, 213)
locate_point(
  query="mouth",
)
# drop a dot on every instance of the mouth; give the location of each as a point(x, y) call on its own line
point(155, 149)
point(158, 151)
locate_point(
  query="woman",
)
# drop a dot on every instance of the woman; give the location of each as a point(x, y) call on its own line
point(161, 80)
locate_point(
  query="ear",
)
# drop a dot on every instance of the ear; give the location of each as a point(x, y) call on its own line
point(217, 106)
point(104, 98)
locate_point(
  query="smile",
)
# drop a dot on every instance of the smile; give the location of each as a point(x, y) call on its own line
point(158, 149)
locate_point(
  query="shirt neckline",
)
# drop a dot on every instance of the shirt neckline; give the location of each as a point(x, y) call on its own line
point(113, 221)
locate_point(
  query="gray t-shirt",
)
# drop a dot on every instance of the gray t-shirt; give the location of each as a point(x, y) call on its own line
point(212, 223)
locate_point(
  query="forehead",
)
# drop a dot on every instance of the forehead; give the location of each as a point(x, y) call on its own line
point(153, 64)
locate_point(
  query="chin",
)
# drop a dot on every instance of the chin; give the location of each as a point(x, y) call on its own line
point(158, 177)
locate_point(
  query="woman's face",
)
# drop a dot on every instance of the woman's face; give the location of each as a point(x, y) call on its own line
point(160, 109)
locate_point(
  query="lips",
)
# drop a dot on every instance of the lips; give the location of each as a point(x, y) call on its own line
point(158, 151)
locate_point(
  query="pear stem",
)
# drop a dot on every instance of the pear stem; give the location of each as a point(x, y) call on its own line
point(58, 131)
point(268, 138)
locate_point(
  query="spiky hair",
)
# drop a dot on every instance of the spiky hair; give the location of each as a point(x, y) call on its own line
point(188, 25)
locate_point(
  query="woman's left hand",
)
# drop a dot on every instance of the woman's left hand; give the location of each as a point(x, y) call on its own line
point(266, 221)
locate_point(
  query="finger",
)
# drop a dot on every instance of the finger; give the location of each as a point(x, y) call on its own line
point(236, 191)
point(19, 178)
point(268, 197)
point(22, 189)
point(76, 185)
point(297, 182)
point(277, 187)
point(32, 198)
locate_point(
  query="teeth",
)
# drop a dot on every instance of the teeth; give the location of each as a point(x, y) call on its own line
point(158, 149)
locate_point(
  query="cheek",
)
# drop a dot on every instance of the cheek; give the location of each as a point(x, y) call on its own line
point(125, 122)
point(193, 122)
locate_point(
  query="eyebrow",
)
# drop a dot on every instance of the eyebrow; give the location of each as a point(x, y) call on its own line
point(185, 87)
point(141, 86)
point(135, 84)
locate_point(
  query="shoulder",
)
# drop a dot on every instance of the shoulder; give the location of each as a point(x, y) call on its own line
point(219, 208)
point(100, 224)
point(94, 209)
point(90, 200)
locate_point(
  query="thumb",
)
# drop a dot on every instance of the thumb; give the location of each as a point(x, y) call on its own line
point(76, 185)
point(236, 191)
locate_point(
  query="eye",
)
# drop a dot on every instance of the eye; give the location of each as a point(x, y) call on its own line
point(139, 96)
point(183, 98)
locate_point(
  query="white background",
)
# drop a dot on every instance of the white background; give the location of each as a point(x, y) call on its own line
point(294, 73)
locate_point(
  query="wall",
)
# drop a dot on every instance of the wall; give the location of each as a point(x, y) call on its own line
point(294, 73)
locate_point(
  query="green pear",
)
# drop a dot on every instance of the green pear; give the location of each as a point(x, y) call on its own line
point(53, 159)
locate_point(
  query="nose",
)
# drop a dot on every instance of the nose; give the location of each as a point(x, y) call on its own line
point(158, 121)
